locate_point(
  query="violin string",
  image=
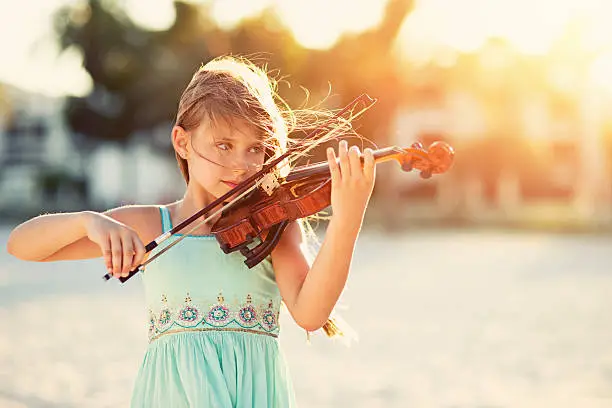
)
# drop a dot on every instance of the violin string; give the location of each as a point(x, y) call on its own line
point(198, 225)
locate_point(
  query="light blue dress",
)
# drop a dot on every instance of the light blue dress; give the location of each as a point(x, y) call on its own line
point(213, 331)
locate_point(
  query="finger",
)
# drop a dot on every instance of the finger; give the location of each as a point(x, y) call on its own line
point(128, 254)
point(117, 254)
point(355, 162)
point(107, 254)
point(333, 166)
point(369, 169)
point(140, 250)
point(345, 170)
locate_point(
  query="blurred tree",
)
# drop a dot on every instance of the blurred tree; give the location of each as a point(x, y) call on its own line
point(366, 63)
point(6, 110)
point(138, 75)
point(134, 71)
point(363, 62)
point(6, 118)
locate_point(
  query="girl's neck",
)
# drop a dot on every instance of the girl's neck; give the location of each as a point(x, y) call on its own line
point(192, 202)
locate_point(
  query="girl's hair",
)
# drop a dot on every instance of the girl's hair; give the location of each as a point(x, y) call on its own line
point(228, 88)
point(231, 87)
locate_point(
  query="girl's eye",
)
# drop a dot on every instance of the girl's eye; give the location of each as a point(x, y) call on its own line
point(223, 146)
point(256, 149)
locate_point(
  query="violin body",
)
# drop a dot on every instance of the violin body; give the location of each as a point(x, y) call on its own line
point(265, 217)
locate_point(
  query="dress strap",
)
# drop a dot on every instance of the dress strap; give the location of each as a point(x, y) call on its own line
point(165, 218)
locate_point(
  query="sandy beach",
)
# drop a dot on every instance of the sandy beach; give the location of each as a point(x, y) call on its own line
point(445, 319)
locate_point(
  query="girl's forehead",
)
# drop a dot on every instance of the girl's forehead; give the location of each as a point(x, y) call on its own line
point(235, 129)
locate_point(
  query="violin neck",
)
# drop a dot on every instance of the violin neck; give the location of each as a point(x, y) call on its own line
point(322, 169)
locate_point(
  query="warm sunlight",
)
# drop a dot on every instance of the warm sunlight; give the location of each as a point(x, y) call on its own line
point(601, 72)
point(30, 53)
point(153, 14)
point(531, 26)
point(432, 31)
point(316, 23)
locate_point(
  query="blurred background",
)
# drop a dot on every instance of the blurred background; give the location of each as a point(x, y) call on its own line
point(488, 286)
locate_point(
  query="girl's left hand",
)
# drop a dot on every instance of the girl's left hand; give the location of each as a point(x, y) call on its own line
point(352, 183)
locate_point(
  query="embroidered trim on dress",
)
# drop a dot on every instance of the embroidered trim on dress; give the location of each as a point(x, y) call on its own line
point(245, 317)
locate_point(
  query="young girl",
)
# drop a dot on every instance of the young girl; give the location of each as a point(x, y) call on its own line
point(213, 322)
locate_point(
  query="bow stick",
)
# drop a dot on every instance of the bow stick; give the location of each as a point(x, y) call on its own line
point(248, 185)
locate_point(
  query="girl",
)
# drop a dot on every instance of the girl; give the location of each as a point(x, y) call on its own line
point(213, 322)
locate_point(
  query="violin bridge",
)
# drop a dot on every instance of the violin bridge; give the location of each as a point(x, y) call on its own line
point(270, 182)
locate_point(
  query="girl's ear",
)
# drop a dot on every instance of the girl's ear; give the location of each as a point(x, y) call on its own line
point(180, 141)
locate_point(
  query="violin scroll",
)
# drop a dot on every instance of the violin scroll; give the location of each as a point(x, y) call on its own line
point(436, 160)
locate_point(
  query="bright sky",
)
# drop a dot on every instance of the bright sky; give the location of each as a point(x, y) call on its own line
point(29, 53)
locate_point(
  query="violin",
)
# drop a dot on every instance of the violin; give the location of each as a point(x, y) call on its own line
point(263, 205)
point(306, 191)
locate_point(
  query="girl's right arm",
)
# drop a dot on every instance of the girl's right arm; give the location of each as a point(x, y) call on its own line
point(80, 235)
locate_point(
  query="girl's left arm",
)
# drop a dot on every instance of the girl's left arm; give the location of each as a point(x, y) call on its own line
point(311, 292)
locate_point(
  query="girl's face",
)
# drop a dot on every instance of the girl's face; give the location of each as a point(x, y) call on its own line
point(223, 155)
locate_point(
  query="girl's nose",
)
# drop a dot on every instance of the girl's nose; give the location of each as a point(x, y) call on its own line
point(245, 166)
point(239, 171)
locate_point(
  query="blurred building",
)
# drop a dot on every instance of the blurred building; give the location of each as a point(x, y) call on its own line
point(39, 165)
point(526, 155)
point(46, 168)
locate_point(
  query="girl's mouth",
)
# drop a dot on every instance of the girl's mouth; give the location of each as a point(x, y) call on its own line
point(230, 184)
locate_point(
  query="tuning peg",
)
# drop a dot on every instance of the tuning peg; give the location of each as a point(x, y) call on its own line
point(407, 165)
point(425, 174)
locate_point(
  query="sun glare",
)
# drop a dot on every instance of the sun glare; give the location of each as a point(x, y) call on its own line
point(601, 70)
point(229, 13)
point(154, 15)
point(531, 27)
point(435, 30)
point(315, 24)
point(30, 52)
point(319, 23)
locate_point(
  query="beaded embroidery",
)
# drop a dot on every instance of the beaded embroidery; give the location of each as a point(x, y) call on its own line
point(165, 315)
point(247, 313)
point(189, 314)
point(219, 314)
point(151, 323)
point(269, 317)
point(246, 317)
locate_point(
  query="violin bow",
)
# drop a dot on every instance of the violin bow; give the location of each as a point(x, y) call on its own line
point(248, 185)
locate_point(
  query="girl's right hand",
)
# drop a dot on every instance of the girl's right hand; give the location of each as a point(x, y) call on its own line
point(352, 184)
point(121, 246)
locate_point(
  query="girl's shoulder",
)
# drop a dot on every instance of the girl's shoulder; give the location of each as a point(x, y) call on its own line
point(144, 219)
